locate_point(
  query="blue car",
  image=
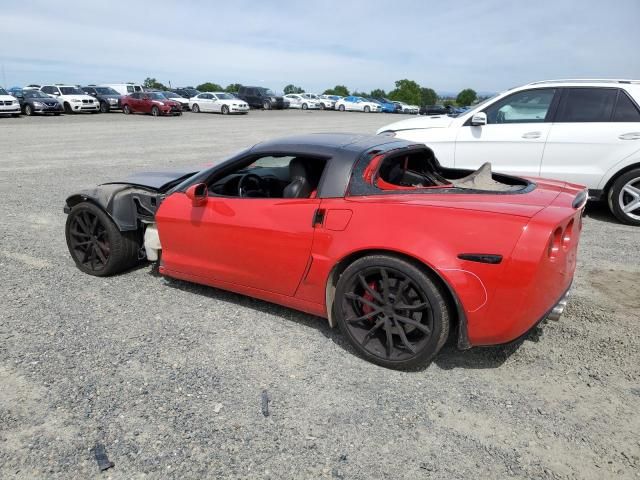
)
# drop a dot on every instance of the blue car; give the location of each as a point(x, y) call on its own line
point(387, 105)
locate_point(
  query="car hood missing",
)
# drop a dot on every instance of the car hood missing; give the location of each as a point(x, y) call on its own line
point(159, 180)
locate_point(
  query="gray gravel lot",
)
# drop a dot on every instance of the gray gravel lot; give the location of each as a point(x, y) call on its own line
point(169, 375)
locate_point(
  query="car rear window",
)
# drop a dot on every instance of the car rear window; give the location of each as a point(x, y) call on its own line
point(626, 110)
point(587, 105)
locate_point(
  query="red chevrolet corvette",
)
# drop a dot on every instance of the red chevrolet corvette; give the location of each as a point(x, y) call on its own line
point(368, 232)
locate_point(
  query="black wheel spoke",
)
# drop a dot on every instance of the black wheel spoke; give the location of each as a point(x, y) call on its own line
point(372, 332)
point(385, 284)
point(405, 340)
point(100, 255)
point(362, 300)
point(368, 288)
point(366, 316)
point(412, 308)
point(389, 344)
point(79, 234)
point(415, 323)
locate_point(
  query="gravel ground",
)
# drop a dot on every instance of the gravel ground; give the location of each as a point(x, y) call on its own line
point(169, 376)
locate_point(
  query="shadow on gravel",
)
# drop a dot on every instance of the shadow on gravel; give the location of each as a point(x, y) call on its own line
point(448, 358)
point(600, 211)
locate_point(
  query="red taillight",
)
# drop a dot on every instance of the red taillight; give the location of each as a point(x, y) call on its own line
point(555, 242)
point(567, 236)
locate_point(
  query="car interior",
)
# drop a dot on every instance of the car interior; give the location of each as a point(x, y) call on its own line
point(277, 176)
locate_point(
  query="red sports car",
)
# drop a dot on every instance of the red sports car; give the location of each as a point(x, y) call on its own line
point(150, 102)
point(369, 232)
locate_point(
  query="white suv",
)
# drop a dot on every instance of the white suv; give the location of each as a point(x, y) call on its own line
point(580, 131)
point(73, 99)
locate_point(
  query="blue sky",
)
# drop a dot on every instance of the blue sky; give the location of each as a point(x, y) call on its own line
point(487, 45)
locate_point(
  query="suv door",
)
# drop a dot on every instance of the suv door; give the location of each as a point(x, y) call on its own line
point(514, 137)
point(592, 132)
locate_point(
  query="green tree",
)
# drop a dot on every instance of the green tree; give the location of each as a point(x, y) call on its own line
point(292, 89)
point(466, 97)
point(337, 90)
point(406, 91)
point(448, 103)
point(360, 94)
point(209, 87)
point(233, 88)
point(153, 83)
point(378, 93)
point(428, 96)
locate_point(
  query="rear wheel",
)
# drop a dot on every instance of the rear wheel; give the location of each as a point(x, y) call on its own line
point(126, 109)
point(624, 197)
point(266, 105)
point(95, 243)
point(224, 110)
point(155, 111)
point(391, 312)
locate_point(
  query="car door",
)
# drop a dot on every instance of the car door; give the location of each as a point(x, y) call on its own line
point(134, 102)
point(595, 128)
point(261, 243)
point(205, 102)
point(514, 137)
point(212, 103)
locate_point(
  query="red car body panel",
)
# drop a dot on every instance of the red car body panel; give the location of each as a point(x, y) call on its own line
point(272, 249)
point(144, 105)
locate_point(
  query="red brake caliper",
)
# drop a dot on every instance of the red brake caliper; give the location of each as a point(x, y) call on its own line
point(367, 296)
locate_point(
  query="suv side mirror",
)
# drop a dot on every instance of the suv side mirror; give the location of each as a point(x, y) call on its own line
point(198, 194)
point(478, 119)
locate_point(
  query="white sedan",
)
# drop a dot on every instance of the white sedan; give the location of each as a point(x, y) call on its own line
point(357, 104)
point(323, 100)
point(298, 101)
point(221, 102)
point(406, 108)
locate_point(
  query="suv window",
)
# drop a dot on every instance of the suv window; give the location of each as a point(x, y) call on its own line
point(528, 106)
point(129, 89)
point(587, 105)
point(626, 110)
point(48, 89)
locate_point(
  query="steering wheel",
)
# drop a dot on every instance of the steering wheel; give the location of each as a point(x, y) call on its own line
point(251, 185)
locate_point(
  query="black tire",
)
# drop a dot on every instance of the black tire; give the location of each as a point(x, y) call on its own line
point(126, 109)
point(224, 110)
point(322, 107)
point(195, 108)
point(305, 106)
point(155, 111)
point(625, 191)
point(426, 323)
point(28, 110)
point(67, 108)
point(104, 107)
point(367, 109)
point(266, 105)
point(341, 108)
point(95, 243)
point(56, 114)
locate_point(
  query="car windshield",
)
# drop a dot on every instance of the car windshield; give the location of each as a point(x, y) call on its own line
point(71, 91)
point(225, 96)
point(478, 106)
point(106, 91)
point(3, 91)
point(34, 94)
point(156, 96)
point(170, 95)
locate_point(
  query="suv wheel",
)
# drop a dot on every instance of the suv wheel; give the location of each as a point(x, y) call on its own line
point(104, 108)
point(67, 108)
point(266, 105)
point(624, 197)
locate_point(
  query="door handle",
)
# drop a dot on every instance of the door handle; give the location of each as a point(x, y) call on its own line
point(630, 136)
point(531, 135)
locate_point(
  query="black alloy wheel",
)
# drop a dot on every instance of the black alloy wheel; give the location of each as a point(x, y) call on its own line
point(95, 243)
point(391, 312)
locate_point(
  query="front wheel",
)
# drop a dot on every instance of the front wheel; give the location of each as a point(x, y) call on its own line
point(624, 197)
point(224, 110)
point(104, 108)
point(305, 106)
point(126, 109)
point(266, 105)
point(95, 243)
point(391, 312)
point(341, 108)
point(195, 108)
point(367, 109)
point(67, 108)
point(155, 111)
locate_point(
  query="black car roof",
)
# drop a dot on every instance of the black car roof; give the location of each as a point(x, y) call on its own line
point(325, 142)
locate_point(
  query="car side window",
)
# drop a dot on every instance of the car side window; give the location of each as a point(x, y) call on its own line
point(626, 110)
point(587, 105)
point(529, 106)
point(129, 89)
